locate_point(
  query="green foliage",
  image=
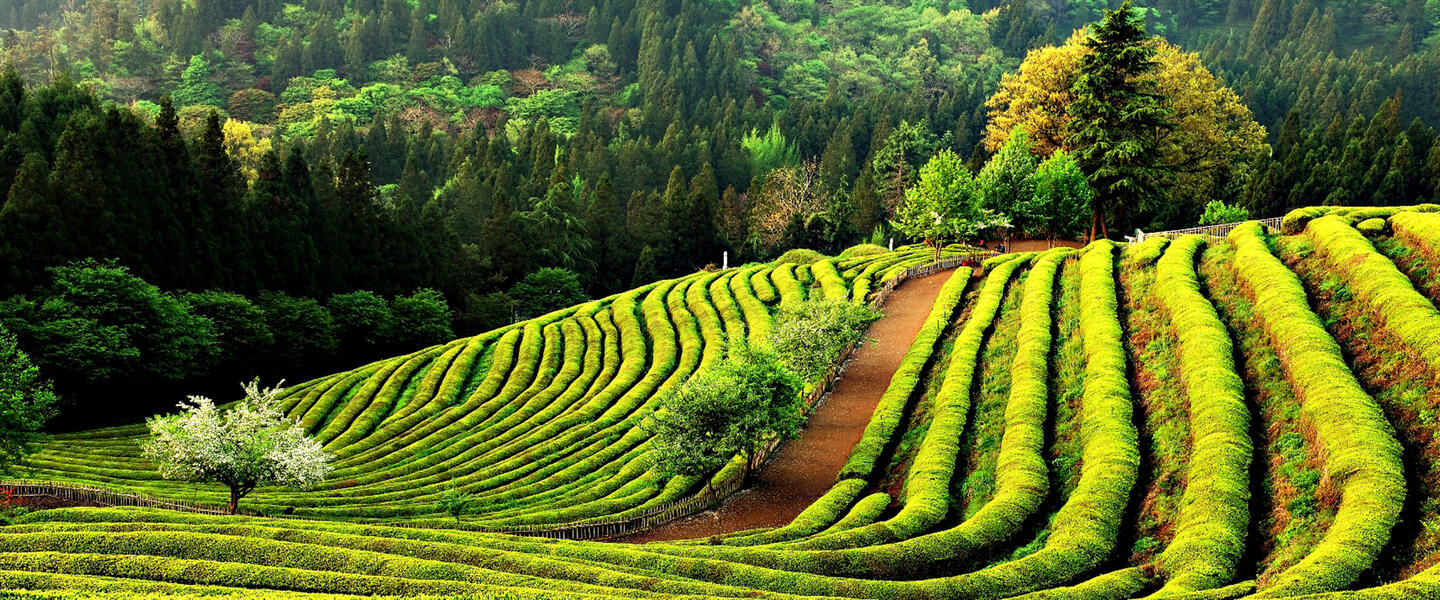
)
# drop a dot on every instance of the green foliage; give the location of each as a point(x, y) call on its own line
point(455, 502)
point(891, 408)
point(1061, 200)
point(97, 322)
point(745, 401)
point(301, 326)
point(1214, 518)
point(811, 335)
point(26, 402)
point(1370, 227)
point(944, 205)
point(1218, 213)
point(195, 85)
point(768, 151)
point(861, 250)
point(1115, 113)
point(1297, 220)
point(421, 319)
point(546, 290)
point(1360, 446)
point(361, 318)
point(800, 256)
point(1007, 183)
point(241, 330)
point(1377, 283)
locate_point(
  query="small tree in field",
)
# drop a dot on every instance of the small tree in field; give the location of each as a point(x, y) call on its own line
point(944, 206)
point(734, 409)
point(248, 445)
point(811, 334)
point(455, 501)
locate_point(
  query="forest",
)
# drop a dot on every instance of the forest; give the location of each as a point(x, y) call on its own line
point(241, 155)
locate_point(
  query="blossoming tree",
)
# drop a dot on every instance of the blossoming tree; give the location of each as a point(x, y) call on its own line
point(248, 445)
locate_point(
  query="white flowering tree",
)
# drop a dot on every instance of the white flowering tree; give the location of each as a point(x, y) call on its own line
point(248, 445)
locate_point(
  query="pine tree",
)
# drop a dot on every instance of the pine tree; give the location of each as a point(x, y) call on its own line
point(645, 269)
point(1114, 116)
point(289, 61)
point(418, 48)
point(1269, 27)
point(609, 244)
point(12, 99)
point(323, 51)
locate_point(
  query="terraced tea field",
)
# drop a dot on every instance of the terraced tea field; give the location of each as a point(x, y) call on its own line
point(1247, 416)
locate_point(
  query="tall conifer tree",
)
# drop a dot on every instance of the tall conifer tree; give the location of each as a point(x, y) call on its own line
point(1115, 115)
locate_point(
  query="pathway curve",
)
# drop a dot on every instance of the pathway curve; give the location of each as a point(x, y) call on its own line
point(806, 467)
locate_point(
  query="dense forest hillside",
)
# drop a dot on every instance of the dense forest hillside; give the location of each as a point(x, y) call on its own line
point(324, 156)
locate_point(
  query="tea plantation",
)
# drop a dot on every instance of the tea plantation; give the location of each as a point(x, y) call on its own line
point(1199, 417)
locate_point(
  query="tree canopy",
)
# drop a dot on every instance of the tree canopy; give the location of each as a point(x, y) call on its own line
point(1209, 149)
point(945, 205)
point(744, 402)
point(26, 402)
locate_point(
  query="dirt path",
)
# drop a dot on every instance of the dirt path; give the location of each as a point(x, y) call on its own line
point(805, 468)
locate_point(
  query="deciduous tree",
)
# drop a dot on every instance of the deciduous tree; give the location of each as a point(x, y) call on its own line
point(1214, 138)
point(245, 446)
point(944, 206)
point(735, 409)
point(26, 402)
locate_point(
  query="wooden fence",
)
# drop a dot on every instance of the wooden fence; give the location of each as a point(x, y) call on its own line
point(90, 494)
point(1211, 232)
point(592, 530)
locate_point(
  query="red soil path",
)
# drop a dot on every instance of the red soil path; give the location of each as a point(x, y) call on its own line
point(805, 468)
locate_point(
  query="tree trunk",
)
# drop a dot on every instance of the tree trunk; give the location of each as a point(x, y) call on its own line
point(234, 498)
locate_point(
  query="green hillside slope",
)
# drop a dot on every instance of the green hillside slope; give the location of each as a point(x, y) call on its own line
point(538, 420)
point(1203, 417)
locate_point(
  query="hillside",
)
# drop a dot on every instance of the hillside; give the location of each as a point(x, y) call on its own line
point(539, 418)
point(1191, 417)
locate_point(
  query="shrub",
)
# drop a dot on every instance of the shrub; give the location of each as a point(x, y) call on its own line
point(811, 335)
point(1387, 292)
point(891, 408)
point(860, 250)
point(1214, 518)
point(1296, 220)
point(799, 256)
point(1374, 226)
point(926, 498)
